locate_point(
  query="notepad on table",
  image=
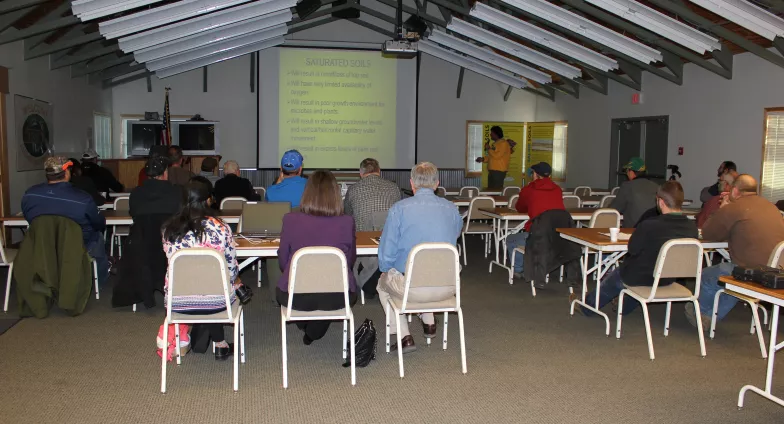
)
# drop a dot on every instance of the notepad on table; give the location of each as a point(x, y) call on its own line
point(621, 236)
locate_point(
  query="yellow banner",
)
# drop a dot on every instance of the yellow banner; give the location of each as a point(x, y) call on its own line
point(514, 132)
point(539, 144)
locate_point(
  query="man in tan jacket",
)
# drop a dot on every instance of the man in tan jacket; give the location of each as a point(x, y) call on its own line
point(753, 227)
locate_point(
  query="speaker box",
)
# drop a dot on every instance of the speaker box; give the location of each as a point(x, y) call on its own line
point(352, 13)
point(306, 7)
point(415, 24)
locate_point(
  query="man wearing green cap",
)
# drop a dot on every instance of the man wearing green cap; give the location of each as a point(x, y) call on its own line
point(637, 195)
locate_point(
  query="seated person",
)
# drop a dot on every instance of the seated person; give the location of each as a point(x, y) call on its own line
point(208, 166)
point(541, 195)
point(290, 183)
point(232, 185)
point(58, 197)
point(178, 174)
point(752, 226)
point(156, 195)
point(155, 151)
point(636, 196)
point(194, 226)
point(85, 184)
point(103, 178)
point(726, 168)
point(423, 218)
point(644, 246)
point(713, 204)
point(320, 223)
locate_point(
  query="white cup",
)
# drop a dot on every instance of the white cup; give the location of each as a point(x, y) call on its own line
point(470, 194)
point(614, 234)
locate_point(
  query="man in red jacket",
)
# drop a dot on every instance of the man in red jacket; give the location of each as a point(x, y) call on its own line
point(541, 195)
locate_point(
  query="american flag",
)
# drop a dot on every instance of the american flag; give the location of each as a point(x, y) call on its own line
point(166, 120)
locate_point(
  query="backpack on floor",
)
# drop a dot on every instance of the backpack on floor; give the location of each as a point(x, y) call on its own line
point(364, 345)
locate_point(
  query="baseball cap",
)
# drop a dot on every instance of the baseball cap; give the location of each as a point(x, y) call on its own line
point(90, 154)
point(156, 166)
point(542, 168)
point(635, 164)
point(291, 160)
point(56, 164)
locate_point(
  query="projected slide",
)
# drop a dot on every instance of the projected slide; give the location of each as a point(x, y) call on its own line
point(336, 104)
point(336, 107)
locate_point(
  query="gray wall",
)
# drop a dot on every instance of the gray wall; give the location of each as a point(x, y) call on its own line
point(712, 118)
point(74, 102)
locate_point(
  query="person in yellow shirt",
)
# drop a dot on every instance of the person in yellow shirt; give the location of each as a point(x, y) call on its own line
point(497, 157)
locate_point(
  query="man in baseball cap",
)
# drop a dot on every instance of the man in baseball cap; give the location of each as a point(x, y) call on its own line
point(541, 195)
point(57, 196)
point(156, 195)
point(103, 178)
point(636, 196)
point(290, 184)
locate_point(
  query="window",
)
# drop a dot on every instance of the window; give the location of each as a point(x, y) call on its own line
point(474, 141)
point(772, 187)
point(102, 135)
point(559, 151)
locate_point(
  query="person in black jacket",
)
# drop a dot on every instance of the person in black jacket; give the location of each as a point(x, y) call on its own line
point(85, 184)
point(102, 178)
point(644, 246)
point(233, 185)
point(143, 266)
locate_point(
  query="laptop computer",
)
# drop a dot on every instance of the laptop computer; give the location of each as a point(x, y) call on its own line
point(263, 219)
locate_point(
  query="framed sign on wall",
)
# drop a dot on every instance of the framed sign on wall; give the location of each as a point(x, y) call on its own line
point(34, 132)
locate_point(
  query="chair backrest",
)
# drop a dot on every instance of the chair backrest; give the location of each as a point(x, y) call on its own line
point(513, 201)
point(483, 202)
point(263, 216)
point(122, 203)
point(318, 270)
point(261, 191)
point(433, 265)
point(572, 201)
point(510, 191)
point(378, 219)
point(615, 190)
point(582, 191)
point(440, 191)
point(776, 256)
point(234, 202)
point(605, 218)
point(606, 201)
point(469, 191)
point(679, 258)
point(199, 271)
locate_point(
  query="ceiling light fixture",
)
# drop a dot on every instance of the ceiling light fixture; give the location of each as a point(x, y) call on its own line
point(588, 29)
point(218, 57)
point(87, 10)
point(472, 64)
point(545, 38)
point(508, 46)
point(747, 15)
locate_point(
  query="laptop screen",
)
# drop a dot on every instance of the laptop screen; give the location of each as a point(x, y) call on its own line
point(263, 216)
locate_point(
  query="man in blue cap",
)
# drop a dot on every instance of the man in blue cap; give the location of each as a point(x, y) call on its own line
point(290, 184)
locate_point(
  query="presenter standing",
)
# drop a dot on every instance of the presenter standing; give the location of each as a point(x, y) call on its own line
point(497, 157)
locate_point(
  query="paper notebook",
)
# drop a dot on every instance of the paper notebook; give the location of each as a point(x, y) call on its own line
point(621, 236)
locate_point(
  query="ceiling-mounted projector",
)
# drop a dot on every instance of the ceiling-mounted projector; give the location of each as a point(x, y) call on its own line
point(405, 49)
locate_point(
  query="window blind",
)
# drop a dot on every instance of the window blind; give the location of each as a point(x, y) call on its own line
point(559, 152)
point(102, 135)
point(474, 148)
point(773, 159)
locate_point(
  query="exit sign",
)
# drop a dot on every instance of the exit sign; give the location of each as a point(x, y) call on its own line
point(636, 98)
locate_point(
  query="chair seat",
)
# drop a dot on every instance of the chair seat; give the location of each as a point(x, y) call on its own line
point(339, 313)
point(220, 316)
point(10, 255)
point(672, 291)
point(122, 230)
point(741, 296)
point(478, 227)
point(442, 304)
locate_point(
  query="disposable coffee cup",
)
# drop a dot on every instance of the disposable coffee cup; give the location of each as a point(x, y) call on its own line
point(470, 194)
point(614, 234)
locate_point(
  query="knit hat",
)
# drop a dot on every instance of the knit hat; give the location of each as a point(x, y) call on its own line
point(156, 166)
point(635, 164)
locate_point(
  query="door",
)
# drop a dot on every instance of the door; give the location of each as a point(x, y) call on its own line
point(644, 137)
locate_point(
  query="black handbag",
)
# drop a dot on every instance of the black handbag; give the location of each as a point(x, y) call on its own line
point(364, 345)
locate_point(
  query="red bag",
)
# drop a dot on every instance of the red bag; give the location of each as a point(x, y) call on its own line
point(185, 341)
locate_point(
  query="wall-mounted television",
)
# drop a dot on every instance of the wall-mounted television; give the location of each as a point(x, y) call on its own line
point(195, 137)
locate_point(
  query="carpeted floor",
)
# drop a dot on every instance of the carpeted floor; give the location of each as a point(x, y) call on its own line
point(528, 362)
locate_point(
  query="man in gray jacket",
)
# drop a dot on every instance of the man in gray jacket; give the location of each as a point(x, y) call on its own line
point(637, 195)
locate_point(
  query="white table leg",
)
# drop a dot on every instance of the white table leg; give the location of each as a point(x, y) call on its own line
point(500, 243)
point(601, 268)
point(771, 359)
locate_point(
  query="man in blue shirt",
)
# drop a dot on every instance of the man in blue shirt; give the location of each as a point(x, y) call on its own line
point(424, 218)
point(58, 197)
point(290, 184)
